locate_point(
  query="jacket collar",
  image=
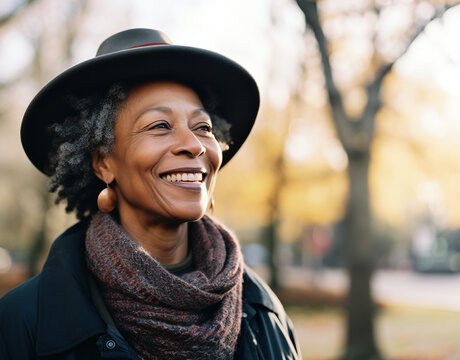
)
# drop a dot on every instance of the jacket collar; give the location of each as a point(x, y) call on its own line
point(257, 293)
point(66, 315)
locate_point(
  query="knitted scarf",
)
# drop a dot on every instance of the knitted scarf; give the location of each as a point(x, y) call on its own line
point(164, 316)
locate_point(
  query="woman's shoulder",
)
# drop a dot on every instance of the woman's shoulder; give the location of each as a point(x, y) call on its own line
point(20, 308)
point(266, 329)
point(257, 292)
point(20, 301)
point(18, 314)
point(19, 305)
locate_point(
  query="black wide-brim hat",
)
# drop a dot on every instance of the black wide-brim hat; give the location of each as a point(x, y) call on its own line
point(139, 56)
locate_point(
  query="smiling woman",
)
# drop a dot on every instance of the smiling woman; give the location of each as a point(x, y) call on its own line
point(133, 141)
point(162, 132)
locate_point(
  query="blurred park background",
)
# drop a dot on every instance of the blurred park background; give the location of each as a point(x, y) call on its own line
point(346, 197)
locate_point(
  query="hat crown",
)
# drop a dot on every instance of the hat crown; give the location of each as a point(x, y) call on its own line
point(132, 38)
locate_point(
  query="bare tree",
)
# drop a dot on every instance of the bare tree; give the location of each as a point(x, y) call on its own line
point(356, 135)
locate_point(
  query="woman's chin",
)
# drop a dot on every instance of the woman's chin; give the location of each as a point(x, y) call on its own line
point(188, 213)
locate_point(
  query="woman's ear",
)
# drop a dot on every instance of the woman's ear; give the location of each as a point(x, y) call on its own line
point(102, 167)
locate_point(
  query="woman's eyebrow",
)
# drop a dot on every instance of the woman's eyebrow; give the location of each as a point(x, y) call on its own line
point(200, 111)
point(164, 109)
point(168, 110)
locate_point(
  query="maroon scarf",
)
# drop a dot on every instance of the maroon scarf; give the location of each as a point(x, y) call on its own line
point(163, 316)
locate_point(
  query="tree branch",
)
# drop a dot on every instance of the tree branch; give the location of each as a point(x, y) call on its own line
point(373, 89)
point(438, 13)
point(310, 11)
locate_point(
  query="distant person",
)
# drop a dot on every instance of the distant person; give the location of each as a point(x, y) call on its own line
point(133, 140)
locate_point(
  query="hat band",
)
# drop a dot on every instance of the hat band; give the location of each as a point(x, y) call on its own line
point(144, 45)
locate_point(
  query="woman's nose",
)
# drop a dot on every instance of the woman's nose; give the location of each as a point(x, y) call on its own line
point(186, 142)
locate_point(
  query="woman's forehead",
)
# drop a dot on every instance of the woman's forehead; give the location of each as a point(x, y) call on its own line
point(163, 90)
point(164, 97)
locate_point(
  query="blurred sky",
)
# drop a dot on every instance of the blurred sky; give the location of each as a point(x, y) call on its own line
point(239, 29)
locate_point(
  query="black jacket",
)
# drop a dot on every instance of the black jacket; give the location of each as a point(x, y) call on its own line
point(52, 315)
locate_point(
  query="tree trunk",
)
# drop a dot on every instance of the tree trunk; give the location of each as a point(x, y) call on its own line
point(360, 340)
point(272, 229)
point(272, 242)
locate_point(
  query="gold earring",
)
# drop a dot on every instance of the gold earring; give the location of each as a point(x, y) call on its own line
point(107, 200)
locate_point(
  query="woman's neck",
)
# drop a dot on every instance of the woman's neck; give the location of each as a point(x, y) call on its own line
point(168, 244)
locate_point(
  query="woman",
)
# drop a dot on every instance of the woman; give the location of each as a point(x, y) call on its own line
point(133, 140)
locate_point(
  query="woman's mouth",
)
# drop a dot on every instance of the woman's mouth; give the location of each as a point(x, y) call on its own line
point(194, 177)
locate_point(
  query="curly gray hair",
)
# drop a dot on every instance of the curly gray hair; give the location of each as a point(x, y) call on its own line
point(87, 129)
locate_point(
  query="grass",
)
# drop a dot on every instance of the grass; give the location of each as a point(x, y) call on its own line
point(402, 333)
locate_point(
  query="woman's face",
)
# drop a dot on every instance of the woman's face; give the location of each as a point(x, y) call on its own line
point(165, 157)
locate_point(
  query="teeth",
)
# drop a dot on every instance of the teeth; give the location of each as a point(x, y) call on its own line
point(183, 177)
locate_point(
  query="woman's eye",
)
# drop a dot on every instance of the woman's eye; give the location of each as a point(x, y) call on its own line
point(205, 127)
point(161, 125)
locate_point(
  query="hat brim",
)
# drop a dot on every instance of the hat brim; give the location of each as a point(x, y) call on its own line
point(234, 88)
